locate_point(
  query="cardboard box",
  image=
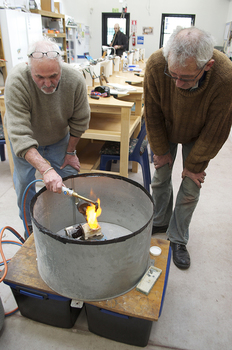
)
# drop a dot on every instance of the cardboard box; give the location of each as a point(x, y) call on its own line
point(47, 5)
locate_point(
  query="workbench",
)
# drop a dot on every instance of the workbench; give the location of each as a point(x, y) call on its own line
point(23, 272)
point(127, 78)
point(111, 120)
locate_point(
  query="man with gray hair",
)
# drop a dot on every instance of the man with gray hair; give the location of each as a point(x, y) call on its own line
point(188, 101)
point(47, 111)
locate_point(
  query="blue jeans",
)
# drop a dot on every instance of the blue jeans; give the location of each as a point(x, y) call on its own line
point(177, 219)
point(24, 172)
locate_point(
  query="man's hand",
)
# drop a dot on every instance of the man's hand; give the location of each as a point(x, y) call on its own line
point(160, 161)
point(53, 181)
point(198, 178)
point(71, 160)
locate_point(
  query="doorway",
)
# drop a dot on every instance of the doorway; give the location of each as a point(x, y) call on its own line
point(108, 21)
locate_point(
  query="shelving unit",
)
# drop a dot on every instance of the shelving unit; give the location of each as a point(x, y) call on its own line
point(2, 56)
point(71, 43)
point(61, 36)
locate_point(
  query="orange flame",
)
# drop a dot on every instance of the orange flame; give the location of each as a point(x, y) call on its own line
point(92, 215)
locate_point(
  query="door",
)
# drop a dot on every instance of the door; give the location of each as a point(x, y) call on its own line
point(108, 22)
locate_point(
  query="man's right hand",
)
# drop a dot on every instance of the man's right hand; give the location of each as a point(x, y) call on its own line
point(160, 161)
point(53, 181)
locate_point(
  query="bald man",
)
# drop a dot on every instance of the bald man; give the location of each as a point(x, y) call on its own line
point(120, 41)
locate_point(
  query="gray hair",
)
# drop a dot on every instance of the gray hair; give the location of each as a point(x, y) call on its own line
point(44, 44)
point(190, 42)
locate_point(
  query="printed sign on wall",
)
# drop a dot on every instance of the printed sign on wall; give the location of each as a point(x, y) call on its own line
point(140, 40)
point(133, 26)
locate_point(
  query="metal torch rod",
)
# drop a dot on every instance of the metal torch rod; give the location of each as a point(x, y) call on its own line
point(70, 192)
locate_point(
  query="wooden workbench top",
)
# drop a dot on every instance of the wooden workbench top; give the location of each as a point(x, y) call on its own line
point(22, 271)
point(110, 101)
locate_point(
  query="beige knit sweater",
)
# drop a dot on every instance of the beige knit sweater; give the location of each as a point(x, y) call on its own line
point(180, 116)
point(35, 119)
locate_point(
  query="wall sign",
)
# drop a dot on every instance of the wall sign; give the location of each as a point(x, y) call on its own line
point(148, 30)
point(140, 40)
point(133, 26)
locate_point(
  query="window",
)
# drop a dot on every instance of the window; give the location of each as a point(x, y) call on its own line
point(169, 22)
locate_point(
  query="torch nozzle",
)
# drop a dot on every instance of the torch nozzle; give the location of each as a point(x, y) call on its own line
point(96, 206)
point(69, 192)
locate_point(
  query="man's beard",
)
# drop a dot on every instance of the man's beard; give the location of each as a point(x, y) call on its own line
point(43, 89)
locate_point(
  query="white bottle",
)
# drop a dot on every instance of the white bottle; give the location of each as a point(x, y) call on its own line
point(125, 64)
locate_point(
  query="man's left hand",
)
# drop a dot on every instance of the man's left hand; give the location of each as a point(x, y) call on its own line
point(198, 178)
point(71, 160)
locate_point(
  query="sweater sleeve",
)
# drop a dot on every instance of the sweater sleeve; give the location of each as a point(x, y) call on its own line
point(214, 133)
point(154, 118)
point(18, 116)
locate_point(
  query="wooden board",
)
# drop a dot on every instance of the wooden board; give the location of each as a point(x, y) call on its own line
point(108, 127)
point(22, 271)
point(89, 156)
point(137, 304)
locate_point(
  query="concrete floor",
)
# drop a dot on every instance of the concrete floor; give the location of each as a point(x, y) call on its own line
point(197, 308)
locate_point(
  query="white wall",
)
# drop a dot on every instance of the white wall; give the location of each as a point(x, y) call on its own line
point(229, 14)
point(211, 15)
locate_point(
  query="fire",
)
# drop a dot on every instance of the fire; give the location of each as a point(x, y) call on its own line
point(92, 215)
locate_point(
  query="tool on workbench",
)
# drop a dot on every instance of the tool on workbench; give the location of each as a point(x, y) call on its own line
point(148, 280)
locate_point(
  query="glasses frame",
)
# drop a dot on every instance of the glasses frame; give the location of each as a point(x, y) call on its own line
point(181, 79)
point(43, 54)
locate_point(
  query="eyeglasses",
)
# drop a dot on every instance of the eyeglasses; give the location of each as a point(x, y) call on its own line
point(49, 54)
point(181, 79)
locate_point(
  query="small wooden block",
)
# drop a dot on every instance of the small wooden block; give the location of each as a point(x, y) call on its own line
point(89, 232)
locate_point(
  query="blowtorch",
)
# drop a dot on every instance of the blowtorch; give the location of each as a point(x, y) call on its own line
point(69, 192)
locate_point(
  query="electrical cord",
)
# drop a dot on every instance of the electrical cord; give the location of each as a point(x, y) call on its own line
point(21, 239)
point(5, 261)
